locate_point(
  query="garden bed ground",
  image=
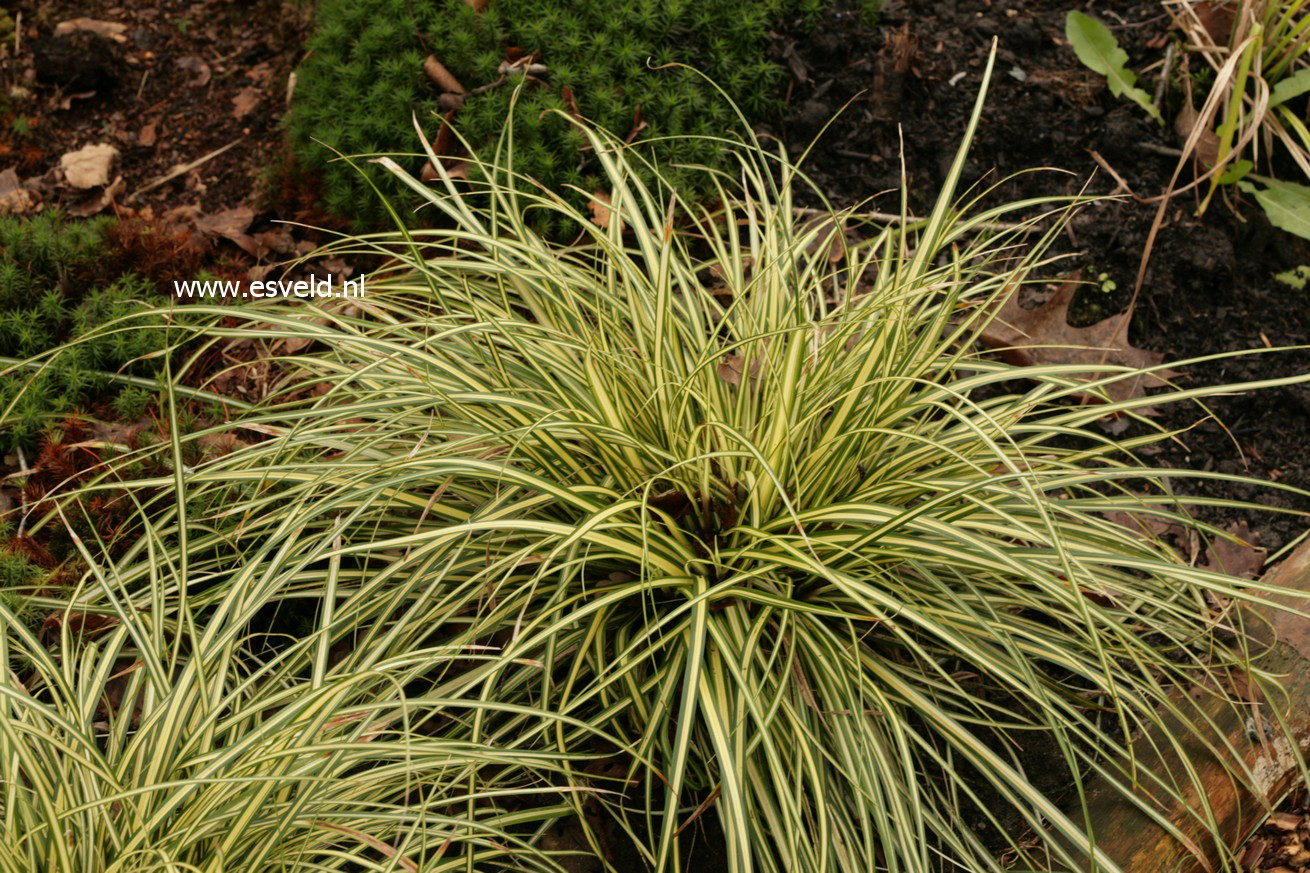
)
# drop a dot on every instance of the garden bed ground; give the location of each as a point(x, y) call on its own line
point(1210, 287)
point(190, 78)
point(201, 84)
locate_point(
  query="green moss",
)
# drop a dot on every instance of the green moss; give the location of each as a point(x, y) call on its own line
point(16, 572)
point(44, 303)
point(363, 81)
point(132, 402)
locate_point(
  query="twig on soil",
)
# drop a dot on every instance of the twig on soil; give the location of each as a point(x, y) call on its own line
point(859, 156)
point(183, 169)
point(450, 100)
point(1119, 180)
point(1156, 148)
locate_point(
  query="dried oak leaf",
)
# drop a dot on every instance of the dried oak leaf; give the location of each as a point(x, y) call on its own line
point(730, 370)
point(1243, 559)
point(1040, 336)
point(75, 623)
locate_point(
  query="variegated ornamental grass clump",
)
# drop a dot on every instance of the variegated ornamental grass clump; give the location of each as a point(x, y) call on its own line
point(757, 526)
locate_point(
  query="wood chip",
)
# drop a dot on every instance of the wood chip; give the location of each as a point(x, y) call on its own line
point(1254, 854)
point(1285, 821)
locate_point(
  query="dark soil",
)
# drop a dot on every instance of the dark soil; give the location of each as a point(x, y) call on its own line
point(1210, 287)
point(179, 81)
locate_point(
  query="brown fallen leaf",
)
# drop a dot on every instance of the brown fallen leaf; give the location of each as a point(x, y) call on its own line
point(638, 125)
point(222, 443)
point(89, 166)
point(1243, 559)
point(829, 233)
point(1207, 142)
point(14, 198)
point(149, 133)
point(108, 29)
point(444, 79)
point(230, 224)
point(570, 103)
point(74, 623)
point(199, 70)
point(1146, 523)
point(260, 71)
point(1217, 19)
point(101, 201)
point(1040, 336)
point(455, 168)
point(730, 370)
point(600, 204)
point(245, 101)
point(278, 240)
point(447, 148)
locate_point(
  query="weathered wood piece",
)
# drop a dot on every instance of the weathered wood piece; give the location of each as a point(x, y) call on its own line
point(1140, 845)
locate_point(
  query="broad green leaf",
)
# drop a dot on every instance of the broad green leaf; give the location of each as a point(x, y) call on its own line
point(1236, 172)
point(1099, 51)
point(1286, 203)
point(1293, 86)
point(1297, 278)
